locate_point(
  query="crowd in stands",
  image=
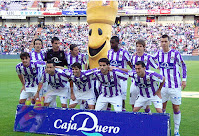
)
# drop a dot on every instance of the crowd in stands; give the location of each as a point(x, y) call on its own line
point(10, 5)
point(14, 40)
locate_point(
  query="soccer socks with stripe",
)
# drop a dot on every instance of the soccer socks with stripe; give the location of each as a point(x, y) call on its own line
point(177, 119)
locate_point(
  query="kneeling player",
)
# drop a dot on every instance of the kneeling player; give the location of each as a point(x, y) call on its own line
point(83, 88)
point(146, 82)
point(57, 84)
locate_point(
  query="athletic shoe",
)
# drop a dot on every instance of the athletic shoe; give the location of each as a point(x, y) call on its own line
point(176, 133)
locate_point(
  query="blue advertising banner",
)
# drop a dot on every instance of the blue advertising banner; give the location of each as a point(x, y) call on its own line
point(59, 121)
point(70, 12)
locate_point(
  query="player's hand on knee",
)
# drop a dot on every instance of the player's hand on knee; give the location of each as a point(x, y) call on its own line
point(73, 97)
point(36, 96)
point(23, 88)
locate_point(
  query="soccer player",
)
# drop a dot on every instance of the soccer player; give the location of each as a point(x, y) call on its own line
point(28, 74)
point(57, 84)
point(57, 55)
point(146, 83)
point(119, 58)
point(140, 55)
point(37, 54)
point(170, 62)
point(83, 88)
point(109, 85)
point(75, 56)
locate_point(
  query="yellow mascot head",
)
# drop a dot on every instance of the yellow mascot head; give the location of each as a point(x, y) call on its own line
point(100, 19)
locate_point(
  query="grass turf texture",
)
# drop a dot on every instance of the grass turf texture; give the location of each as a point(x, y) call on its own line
point(10, 89)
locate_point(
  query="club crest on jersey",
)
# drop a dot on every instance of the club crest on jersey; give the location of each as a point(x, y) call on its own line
point(120, 56)
point(61, 55)
point(111, 76)
point(172, 58)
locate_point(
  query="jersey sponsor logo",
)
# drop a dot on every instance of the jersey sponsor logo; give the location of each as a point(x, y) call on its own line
point(166, 65)
point(141, 85)
point(116, 63)
point(56, 60)
point(109, 84)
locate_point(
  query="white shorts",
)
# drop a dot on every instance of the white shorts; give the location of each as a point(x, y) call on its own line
point(51, 94)
point(88, 96)
point(51, 98)
point(30, 92)
point(103, 101)
point(173, 94)
point(134, 92)
point(123, 88)
point(142, 101)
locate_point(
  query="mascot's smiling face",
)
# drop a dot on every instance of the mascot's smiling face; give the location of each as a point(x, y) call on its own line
point(99, 38)
point(99, 42)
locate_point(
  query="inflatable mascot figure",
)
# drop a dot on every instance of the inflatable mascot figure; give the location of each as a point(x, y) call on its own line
point(100, 18)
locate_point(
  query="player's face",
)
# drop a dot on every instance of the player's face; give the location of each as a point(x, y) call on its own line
point(165, 43)
point(103, 67)
point(75, 51)
point(25, 61)
point(38, 46)
point(50, 69)
point(55, 45)
point(76, 71)
point(139, 48)
point(140, 70)
point(114, 44)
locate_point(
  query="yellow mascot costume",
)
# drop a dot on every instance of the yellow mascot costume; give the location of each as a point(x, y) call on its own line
point(100, 19)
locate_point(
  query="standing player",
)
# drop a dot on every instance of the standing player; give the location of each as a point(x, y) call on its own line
point(109, 85)
point(146, 82)
point(119, 58)
point(57, 84)
point(170, 62)
point(149, 62)
point(28, 74)
point(75, 56)
point(37, 54)
point(57, 55)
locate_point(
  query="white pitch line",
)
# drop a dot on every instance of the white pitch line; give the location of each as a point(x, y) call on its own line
point(190, 94)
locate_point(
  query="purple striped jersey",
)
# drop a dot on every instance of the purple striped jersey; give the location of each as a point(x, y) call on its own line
point(56, 81)
point(80, 58)
point(169, 64)
point(83, 82)
point(34, 56)
point(146, 58)
point(110, 85)
point(30, 73)
point(119, 58)
point(148, 84)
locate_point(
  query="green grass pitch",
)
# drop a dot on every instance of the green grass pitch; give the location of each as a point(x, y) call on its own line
point(10, 89)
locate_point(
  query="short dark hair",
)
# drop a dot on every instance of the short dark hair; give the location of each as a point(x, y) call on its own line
point(54, 39)
point(140, 41)
point(76, 64)
point(116, 38)
point(140, 63)
point(51, 61)
point(72, 46)
point(165, 36)
point(38, 39)
point(104, 60)
point(24, 54)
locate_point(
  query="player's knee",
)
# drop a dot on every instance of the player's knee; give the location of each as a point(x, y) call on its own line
point(176, 108)
point(63, 105)
point(91, 107)
point(72, 106)
point(22, 101)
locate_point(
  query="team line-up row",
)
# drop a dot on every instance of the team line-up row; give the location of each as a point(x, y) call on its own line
point(110, 79)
